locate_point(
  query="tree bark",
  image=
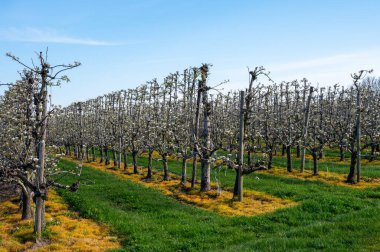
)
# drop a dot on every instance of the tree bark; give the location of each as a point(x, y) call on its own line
point(270, 159)
point(205, 174)
point(93, 154)
point(125, 158)
point(166, 169)
point(41, 192)
point(26, 200)
point(298, 151)
point(372, 156)
point(351, 174)
point(341, 153)
point(305, 129)
point(150, 158)
point(184, 171)
point(289, 158)
point(315, 162)
point(134, 158)
point(115, 164)
point(241, 149)
point(87, 154)
point(194, 171)
point(101, 154)
point(321, 153)
point(249, 158)
point(107, 162)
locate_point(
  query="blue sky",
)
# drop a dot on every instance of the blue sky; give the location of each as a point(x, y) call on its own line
point(122, 44)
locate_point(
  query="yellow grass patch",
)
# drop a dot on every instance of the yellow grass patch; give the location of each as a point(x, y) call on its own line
point(66, 231)
point(333, 178)
point(219, 201)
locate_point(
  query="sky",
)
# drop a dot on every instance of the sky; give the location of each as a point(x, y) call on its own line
point(122, 44)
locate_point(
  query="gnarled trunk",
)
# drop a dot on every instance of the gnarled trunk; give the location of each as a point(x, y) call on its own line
point(205, 174)
point(26, 201)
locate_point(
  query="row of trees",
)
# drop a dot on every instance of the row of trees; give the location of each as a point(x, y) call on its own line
point(186, 117)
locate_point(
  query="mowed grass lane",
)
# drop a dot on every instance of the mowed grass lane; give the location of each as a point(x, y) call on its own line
point(329, 217)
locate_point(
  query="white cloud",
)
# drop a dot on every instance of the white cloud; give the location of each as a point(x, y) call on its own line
point(47, 36)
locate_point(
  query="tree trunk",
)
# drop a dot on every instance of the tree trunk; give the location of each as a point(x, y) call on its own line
point(275, 150)
point(194, 171)
point(289, 158)
point(166, 169)
point(298, 151)
point(41, 192)
point(372, 156)
point(81, 152)
point(321, 153)
point(205, 174)
point(76, 152)
point(351, 175)
point(184, 171)
point(120, 154)
point(341, 153)
point(114, 158)
point(236, 188)
point(101, 154)
point(106, 155)
point(315, 162)
point(87, 154)
point(304, 131)
point(26, 200)
point(150, 158)
point(134, 158)
point(93, 154)
point(270, 159)
point(283, 150)
point(241, 149)
point(125, 158)
point(249, 160)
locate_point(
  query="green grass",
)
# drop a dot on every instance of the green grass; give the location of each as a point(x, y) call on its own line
point(329, 218)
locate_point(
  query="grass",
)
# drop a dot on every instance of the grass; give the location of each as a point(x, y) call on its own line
point(328, 217)
point(217, 199)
